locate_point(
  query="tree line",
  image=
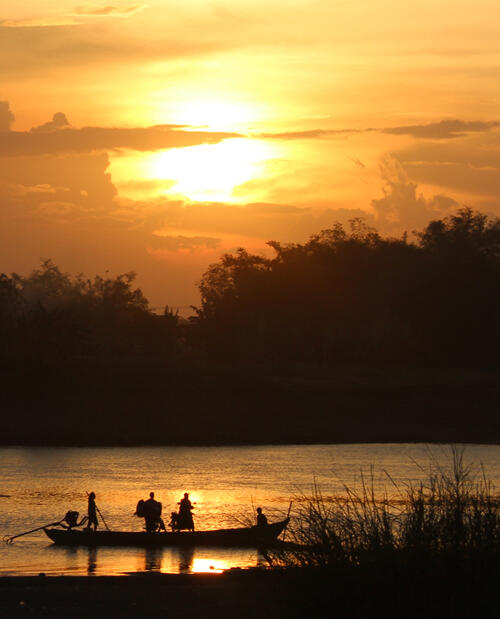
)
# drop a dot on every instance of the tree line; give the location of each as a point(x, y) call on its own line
point(345, 295)
point(352, 295)
point(51, 315)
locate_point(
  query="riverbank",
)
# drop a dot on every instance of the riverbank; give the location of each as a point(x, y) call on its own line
point(440, 591)
point(149, 402)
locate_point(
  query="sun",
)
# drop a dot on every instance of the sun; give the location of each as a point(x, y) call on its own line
point(207, 172)
point(210, 172)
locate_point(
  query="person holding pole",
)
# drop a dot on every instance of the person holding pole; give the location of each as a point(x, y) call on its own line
point(92, 512)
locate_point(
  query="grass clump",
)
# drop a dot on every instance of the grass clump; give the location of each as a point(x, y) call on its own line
point(429, 551)
point(452, 516)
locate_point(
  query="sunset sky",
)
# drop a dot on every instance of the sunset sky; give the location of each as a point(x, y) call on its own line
point(155, 136)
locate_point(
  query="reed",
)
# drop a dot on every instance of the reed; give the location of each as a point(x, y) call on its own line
point(452, 515)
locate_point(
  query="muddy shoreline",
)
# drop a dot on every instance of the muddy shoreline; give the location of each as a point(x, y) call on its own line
point(363, 593)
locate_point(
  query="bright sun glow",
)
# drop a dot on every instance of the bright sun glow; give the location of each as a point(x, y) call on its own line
point(209, 566)
point(205, 173)
point(215, 116)
point(212, 114)
point(210, 172)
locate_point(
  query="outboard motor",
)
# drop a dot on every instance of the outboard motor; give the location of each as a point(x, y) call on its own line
point(71, 519)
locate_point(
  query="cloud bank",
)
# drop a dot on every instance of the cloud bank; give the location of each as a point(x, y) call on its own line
point(445, 129)
point(58, 137)
point(442, 130)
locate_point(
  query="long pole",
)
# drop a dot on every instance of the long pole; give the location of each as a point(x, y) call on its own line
point(102, 518)
point(287, 517)
point(99, 512)
point(9, 540)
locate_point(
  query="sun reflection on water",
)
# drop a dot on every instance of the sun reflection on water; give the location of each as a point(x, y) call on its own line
point(211, 566)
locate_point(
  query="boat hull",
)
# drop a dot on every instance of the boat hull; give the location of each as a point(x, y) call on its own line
point(251, 537)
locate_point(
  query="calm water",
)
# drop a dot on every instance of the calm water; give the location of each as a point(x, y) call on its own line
point(38, 486)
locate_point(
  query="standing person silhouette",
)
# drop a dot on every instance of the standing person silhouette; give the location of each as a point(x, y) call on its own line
point(92, 513)
point(185, 515)
point(152, 514)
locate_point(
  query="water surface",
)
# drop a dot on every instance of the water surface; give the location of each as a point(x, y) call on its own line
point(38, 486)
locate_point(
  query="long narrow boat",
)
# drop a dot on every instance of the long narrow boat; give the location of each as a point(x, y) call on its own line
point(247, 537)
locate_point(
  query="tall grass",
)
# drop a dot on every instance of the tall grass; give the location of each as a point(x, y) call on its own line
point(453, 514)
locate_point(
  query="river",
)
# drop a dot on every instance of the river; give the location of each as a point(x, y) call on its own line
point(38, 486)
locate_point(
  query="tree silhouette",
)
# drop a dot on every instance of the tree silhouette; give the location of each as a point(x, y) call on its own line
point(52, 315)
point(353, 295)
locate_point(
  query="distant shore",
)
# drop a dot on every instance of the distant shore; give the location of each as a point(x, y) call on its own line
point(150, 402)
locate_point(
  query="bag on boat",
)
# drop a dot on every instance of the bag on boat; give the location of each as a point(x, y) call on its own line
point(139, 510)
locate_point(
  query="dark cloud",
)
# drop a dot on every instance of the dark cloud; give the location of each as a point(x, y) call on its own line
point(108, 10)
point(477, 151)
point(444, 129)
point(461, 177)
point(59, 121)
point(6, 116)
point(57, 137)
point(174, 243)
point(309, 134)
point(80, 179)
point(401, 207)
point(358, 163)
point(235, 224)
point(259, 221)
point(470, 165)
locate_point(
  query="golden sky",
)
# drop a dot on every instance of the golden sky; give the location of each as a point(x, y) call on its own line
point(155, 136)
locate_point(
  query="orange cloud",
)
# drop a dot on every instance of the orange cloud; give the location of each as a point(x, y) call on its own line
point(38, 22)
point(109, 10)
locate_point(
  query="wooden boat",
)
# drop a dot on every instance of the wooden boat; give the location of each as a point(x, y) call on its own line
point(246, 537)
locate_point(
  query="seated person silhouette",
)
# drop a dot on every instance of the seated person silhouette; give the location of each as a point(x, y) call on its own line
point(261, 518)
point(174, 521)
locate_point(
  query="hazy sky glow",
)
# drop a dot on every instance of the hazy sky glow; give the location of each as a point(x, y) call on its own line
point(155, 135)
